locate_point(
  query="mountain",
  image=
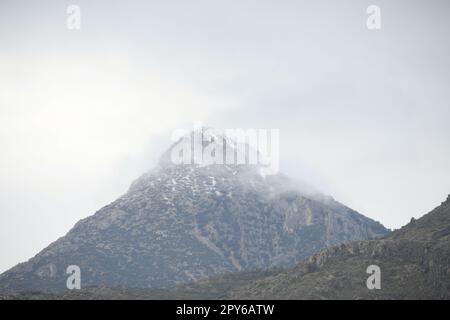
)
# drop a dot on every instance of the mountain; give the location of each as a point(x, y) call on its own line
point(183, 222)
point(414, 264)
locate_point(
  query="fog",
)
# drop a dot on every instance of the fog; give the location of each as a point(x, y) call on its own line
point(363, 115)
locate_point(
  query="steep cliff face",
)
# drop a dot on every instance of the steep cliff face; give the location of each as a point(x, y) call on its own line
point(414, 263)
point(180, 223)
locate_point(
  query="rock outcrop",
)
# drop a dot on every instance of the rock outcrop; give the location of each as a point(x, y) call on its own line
point(414, 263)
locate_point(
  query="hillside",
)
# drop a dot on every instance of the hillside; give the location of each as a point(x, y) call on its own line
point(414, 263)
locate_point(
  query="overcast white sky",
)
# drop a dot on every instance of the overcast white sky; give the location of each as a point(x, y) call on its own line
point(363, 115)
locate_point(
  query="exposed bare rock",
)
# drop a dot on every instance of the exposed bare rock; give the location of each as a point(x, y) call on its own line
point(414, 263)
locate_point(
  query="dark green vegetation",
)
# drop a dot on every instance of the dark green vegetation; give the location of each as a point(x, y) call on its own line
point(216, 287)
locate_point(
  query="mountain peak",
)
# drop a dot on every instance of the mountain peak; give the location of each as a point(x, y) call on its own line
point(205, 146)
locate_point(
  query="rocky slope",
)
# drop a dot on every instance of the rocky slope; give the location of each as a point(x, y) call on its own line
point(180, 223)
point(414, 263)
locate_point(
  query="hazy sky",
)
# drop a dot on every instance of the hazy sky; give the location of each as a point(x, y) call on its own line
point(363, 114)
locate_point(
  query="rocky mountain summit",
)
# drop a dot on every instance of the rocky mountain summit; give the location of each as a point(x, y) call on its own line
point(182, 222)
